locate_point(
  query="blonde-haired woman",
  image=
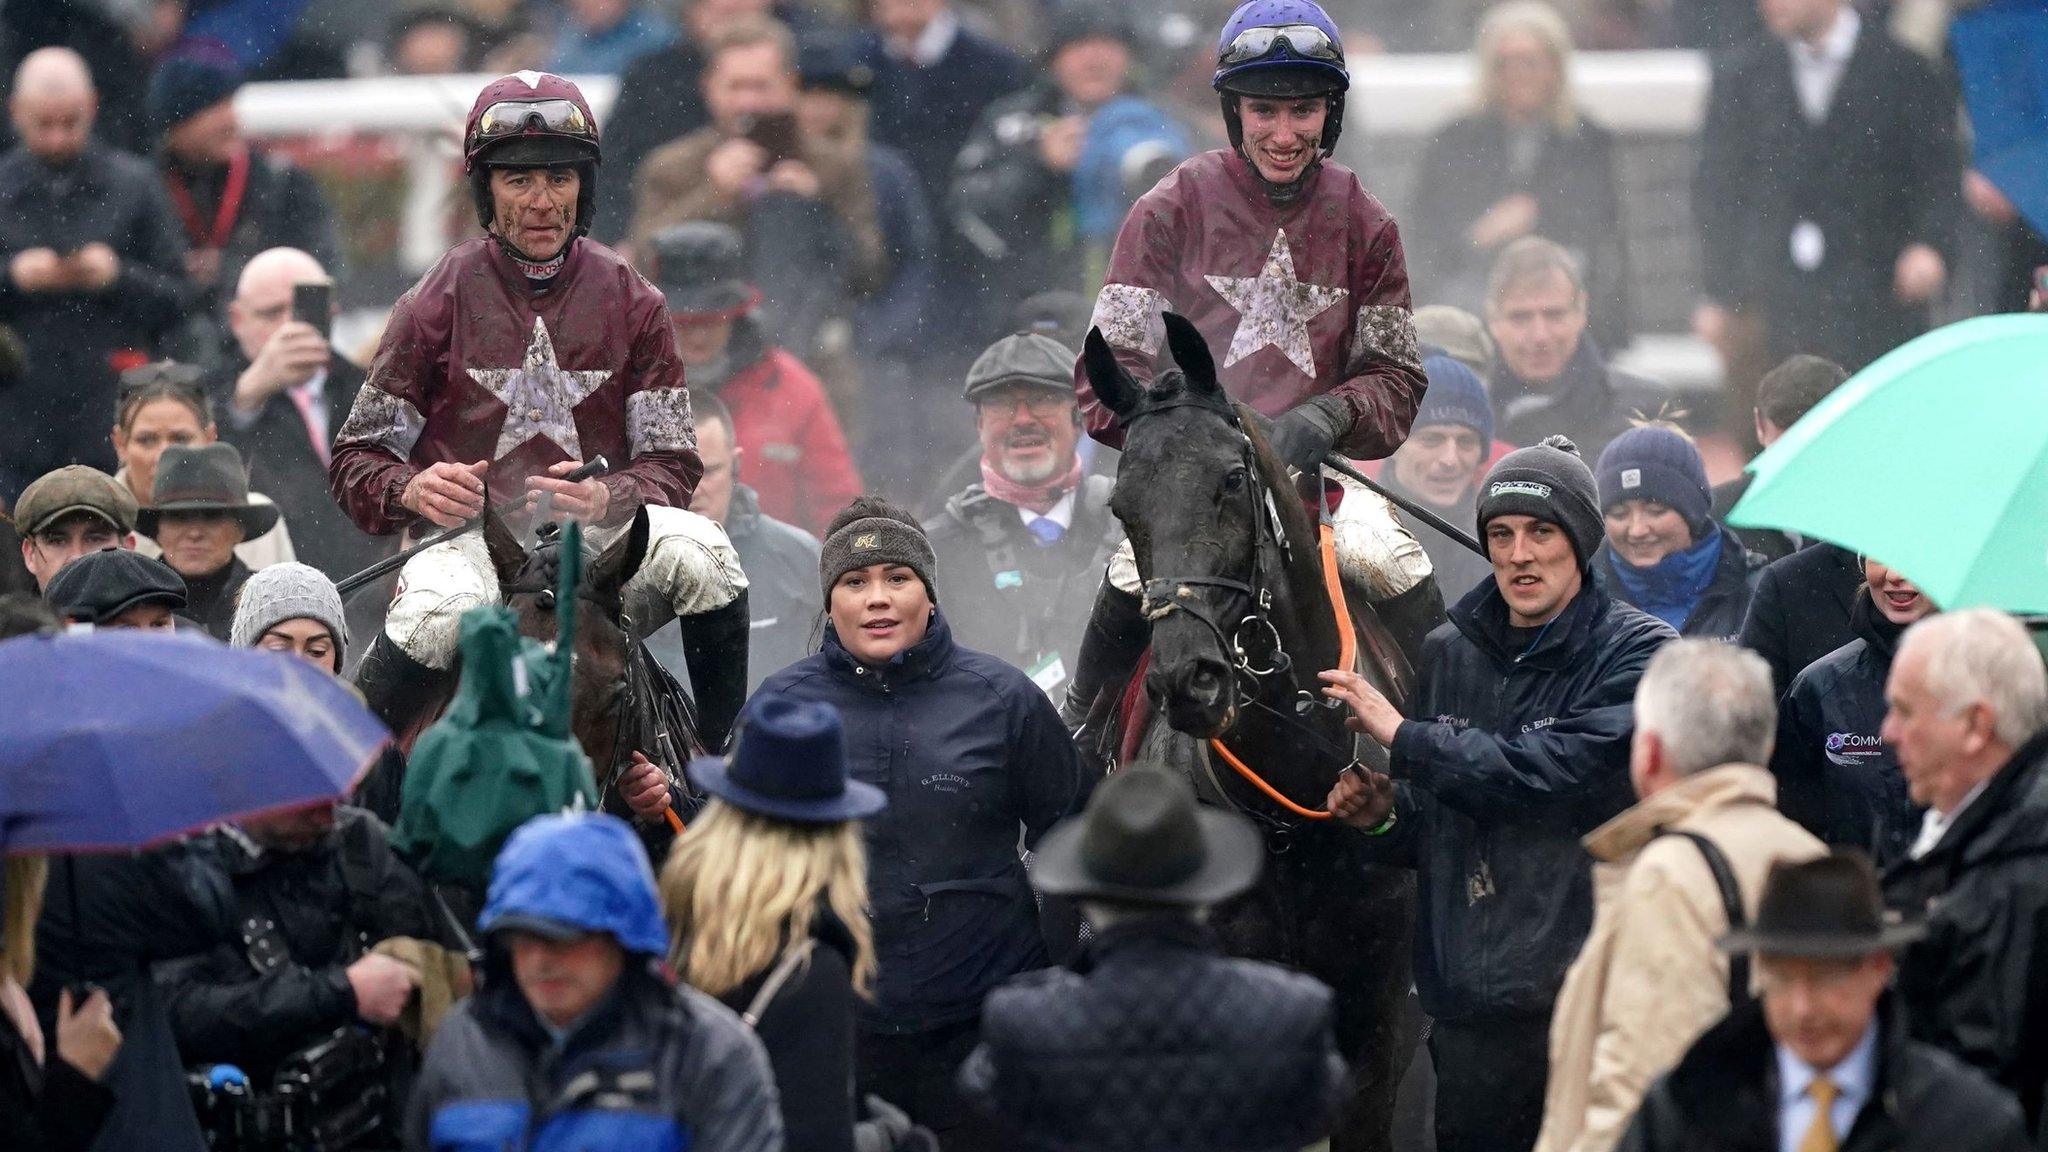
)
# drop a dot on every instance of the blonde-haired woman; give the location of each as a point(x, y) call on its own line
point(767, 894)
point(49, 1100)
point(1525, 162)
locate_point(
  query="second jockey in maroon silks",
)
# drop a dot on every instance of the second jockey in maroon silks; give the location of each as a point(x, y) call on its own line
point(521, 354)
point(1294, 275)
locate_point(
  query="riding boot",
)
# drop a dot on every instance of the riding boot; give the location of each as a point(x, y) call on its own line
point(399, 690)
point(715, 651)
point(1411, 617)
point(1117, 635)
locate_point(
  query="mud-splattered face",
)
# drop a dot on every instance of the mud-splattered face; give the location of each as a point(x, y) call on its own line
point(1281, 136)
point(534, 209)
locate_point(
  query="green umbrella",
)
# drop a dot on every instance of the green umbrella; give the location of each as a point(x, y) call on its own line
point(1934, 460)
point(503, 754)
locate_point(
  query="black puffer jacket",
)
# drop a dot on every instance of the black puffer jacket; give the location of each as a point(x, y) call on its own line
point(1517, 746)
point(1158, 1042)
point(972, 755)
point(327, 904)
point(1800, 610)
point(1723, 1097)
point(1977, 985)
point(1835, 775)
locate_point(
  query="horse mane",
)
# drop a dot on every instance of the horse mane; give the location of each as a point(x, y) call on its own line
point(1304, 557)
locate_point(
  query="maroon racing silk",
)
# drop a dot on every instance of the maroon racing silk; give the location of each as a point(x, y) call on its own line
point(1299, 300)
point(474, 365)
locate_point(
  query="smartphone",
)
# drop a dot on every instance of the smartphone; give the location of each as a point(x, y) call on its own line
point(313, 302)
point(777, 136)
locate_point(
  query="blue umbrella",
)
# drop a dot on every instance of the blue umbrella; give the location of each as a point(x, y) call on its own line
point(118, 739)
point(2001, 54)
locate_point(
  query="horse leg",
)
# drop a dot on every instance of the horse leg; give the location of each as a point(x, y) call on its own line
point(1358, 942)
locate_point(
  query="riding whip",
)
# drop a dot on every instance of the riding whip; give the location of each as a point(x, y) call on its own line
point(597, 466)
point(1343, 468)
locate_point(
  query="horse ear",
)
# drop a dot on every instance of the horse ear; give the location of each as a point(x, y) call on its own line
point(1113, 386)
point(620, 561)
point(506, 554)
point(1191, 352)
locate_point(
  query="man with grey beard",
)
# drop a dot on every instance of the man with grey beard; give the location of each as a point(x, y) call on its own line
point(1020, 553)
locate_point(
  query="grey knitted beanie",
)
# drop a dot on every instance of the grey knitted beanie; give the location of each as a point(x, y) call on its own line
point(287, 592)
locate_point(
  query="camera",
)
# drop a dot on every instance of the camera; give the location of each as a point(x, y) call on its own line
point(329, 1096)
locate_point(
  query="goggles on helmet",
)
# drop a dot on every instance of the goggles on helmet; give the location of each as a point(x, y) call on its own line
point(516, 117)
point(1304, 40)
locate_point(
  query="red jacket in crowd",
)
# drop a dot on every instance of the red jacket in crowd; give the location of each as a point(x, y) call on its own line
point(796, 457)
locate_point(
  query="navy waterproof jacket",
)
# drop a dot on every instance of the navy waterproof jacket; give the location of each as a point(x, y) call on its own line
point(1835, 774)
point(970, 753)
point(1515, 748)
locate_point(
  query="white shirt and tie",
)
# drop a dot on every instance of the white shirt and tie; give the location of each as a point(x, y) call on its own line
point(1843, 1090)
point(1817, 68)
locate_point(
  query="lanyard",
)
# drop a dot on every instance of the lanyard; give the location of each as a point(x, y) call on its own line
point(224, 216)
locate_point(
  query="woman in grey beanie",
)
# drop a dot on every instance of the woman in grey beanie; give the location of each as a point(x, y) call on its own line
point(973, 758)
point(292, 608)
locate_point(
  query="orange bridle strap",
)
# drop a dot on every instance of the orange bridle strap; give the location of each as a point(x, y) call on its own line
point(1347, 653)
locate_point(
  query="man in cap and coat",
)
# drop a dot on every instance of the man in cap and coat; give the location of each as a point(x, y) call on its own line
point(118, 588)
point(1144, 1043)
point(1022, 551)
point(1821, 1062)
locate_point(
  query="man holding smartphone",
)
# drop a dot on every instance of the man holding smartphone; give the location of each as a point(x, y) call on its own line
point(287, 395)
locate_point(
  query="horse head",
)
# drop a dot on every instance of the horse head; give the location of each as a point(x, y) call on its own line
point(604, 641)
point(1213, 524)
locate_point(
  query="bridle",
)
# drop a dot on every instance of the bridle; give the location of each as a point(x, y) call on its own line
point(1162, 596)
point(1165, 595)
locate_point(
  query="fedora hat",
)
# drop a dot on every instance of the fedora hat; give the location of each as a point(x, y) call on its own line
point(1824, 909)
point(204, 478)
point(788, 762)
point(1144, 839)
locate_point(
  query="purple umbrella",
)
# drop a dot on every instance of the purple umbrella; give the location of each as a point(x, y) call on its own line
point(118, 739)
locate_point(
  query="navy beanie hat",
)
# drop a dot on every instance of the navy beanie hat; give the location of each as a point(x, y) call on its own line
point(188, 82)
point(1550, 482)
point(1455, 396)
point(1657, 463)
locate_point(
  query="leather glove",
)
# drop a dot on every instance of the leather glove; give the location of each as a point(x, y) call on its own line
point(1305, 433)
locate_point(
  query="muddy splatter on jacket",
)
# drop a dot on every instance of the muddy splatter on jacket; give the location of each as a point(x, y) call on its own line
point(475, 365)
point(1296, 301)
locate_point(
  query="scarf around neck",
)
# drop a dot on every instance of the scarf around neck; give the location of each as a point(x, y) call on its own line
point(1036, 498)
point(1671, 588)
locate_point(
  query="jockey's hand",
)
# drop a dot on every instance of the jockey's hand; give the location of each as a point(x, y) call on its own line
point(1362, 798)
point(447, 494)
point(585, 500)
point(1305, 433)
point(1371, 713)
point(644, 788)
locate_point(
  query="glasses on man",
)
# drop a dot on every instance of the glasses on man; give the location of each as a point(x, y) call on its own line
point(1304, 40)
point(1041, 404)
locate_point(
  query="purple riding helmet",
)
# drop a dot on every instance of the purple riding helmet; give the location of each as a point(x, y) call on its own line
point(1281, 48)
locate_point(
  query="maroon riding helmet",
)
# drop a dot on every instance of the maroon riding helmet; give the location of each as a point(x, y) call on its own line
point(531, 120)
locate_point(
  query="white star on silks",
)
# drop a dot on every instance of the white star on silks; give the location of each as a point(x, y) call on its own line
point(540, 397)
point(1275, 308)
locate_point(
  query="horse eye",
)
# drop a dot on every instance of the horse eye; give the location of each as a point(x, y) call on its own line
point(1233, 480)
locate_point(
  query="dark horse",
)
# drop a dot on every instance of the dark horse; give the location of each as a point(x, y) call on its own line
point(1241, 625)
point(622, 700)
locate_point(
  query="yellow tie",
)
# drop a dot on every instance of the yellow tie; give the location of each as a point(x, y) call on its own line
point(1820, 1135)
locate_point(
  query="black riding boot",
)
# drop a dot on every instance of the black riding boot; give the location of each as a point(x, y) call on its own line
point(1116, 637)
point(715, 651)
point(398, 688)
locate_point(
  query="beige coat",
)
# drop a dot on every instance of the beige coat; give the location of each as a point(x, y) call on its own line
point(1649, 980)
